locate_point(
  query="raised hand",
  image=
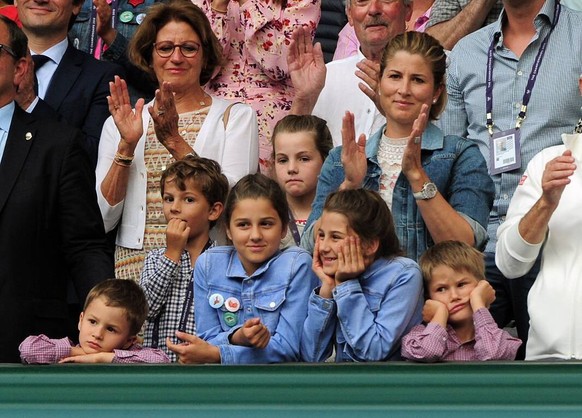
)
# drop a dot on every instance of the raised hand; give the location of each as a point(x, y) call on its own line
point(369, 72)
point(350, 260)
point(556, 177)
point(104, 27)
point(411, 163)
point(307, 70)
point(165, 117)
point(128, 121)
point(354, 158)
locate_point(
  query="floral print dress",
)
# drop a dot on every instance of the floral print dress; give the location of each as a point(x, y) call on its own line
point(255, 38)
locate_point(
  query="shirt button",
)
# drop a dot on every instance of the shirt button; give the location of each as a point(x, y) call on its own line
point(520, 72)
point(250, 282)
point(272, 305)
point(505, 196)
point(517, 105)
point(368, 111)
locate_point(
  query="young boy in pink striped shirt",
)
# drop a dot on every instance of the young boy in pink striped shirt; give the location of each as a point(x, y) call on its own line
point(114, 313)
point(458, 325)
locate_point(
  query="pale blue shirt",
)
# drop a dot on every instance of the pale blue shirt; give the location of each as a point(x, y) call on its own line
point(45, 73)
point(554, 107)
point(6, 113)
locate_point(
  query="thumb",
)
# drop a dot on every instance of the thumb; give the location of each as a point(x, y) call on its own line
point(362, 141)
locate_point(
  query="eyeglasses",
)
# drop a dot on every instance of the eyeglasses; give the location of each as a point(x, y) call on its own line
point(7, 49)
point(166, 49)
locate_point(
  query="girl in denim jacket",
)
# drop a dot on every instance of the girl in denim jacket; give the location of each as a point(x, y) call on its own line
point(369, 296)
point(250, 298)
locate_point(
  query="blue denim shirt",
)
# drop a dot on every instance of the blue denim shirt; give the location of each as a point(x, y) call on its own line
point(368, 315)
point(454, 164)
point(277, 293)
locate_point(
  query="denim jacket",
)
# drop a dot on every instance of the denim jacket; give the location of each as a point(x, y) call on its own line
point(277, 293)
point(454, 164)
point(368, 315)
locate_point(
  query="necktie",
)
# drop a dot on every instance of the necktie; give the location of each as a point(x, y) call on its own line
point(39, 61)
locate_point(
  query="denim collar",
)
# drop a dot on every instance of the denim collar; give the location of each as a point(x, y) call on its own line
point(235, 268)
point(432, 139)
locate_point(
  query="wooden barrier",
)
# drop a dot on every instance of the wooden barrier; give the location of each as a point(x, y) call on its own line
point(512, 389)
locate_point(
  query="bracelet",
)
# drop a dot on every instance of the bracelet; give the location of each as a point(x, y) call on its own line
point(122, 160)
point(214, 9)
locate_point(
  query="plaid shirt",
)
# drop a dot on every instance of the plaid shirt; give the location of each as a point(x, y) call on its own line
point(444, 10)
point(40, 349)
point(432, 342)
point(165, 284)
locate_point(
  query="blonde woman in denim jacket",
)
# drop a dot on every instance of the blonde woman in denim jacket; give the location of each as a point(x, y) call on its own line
point(440, 189)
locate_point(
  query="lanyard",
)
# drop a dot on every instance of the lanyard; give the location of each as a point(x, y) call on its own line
point(186, 308)
point(294, 230)
point(530, 82)
point(93, 37)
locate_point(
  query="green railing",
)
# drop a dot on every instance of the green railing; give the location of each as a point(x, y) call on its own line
point(466, 390)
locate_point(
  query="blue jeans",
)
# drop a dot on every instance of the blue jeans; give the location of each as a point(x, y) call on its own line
point(511, 299)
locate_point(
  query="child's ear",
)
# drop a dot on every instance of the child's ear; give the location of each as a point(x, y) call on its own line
point(215, 211)
point(80, 320)
point(370, 248)
point(130, 341)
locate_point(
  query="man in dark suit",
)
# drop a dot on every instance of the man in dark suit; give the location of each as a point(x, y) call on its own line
point(50, 224)
point(71, 82)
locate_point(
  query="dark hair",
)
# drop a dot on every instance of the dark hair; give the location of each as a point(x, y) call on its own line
point(18, 41)
point(306, 123)
point(126, 294)
point(256, 186)
point(457, 255)
point(206, 173)
point(141, 46)
point(419, 43)
point(369, 217)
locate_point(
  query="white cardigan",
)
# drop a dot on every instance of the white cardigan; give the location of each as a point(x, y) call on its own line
point(236, 150)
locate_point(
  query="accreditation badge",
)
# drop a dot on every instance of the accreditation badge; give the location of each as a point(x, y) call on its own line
point(504, 151)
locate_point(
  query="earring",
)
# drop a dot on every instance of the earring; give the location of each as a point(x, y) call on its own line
point(434, 101)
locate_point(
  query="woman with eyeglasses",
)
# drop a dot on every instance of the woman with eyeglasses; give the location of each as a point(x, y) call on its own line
point(175, 45)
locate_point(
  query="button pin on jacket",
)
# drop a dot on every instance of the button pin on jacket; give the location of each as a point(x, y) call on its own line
point(28, 136)
point(230, 318)
point(216, 300)
point(232, 304)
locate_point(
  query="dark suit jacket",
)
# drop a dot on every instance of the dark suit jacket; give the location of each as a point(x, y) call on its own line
point(50, 229)
point(78, 92)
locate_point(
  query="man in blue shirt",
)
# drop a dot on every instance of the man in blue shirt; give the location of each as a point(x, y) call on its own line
point(531, 100)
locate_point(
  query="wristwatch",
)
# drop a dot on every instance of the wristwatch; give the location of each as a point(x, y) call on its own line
point(428, 191)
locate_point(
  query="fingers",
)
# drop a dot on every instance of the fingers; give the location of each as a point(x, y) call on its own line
point(348, 130)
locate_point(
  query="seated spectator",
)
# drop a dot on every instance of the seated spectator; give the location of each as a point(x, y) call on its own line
point(114, 313)
point(437, 186)
point(255, 37)
point(175, 43)
point(457, 323)
point(369, 296)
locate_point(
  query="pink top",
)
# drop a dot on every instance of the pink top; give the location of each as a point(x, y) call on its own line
point(348, 44)
point(432, 343)
point(255, 38)
point(39, 349)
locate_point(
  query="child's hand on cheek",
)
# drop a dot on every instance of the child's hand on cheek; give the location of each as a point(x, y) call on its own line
point(252, 334)
point(176, 238)
point(327, 282)
point(482, 296)
point(435, 311)
point(350, 260)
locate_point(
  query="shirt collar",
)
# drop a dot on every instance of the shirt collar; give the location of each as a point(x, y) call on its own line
point(544, 17)
point(6, 114)
point(56, 52)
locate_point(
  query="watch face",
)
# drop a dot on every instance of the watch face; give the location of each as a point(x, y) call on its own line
point(430, 190)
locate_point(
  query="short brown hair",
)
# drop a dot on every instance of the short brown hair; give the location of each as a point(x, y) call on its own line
point(126, 294)
point(141, 46)
point(369, 217)
point(306, 123)
point(456, 255)
point(419, 43)
point(206, 173)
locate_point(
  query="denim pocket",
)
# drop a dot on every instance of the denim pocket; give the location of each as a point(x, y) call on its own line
point(268, 304)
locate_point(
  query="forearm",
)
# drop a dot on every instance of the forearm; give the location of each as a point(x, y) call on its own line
point(468, 20)
point(533, 227)
point(443, 222)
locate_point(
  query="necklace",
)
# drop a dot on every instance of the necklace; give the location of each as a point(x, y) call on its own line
point(203, 101)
